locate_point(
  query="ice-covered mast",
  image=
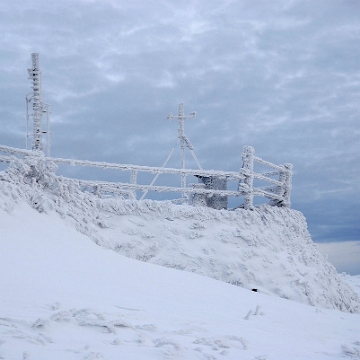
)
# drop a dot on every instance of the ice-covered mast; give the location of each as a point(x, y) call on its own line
point(183, 139)
point(38, 108)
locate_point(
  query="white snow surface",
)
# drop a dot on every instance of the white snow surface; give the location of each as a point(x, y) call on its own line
point(65, 297)
point(268, 248)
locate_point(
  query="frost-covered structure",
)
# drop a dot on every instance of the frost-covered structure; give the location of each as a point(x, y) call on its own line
point(38, 107)
point(211, 191)
point(268, 248)
point(215, 201)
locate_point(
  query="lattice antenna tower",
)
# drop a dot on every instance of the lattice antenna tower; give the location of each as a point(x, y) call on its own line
point(39, 108)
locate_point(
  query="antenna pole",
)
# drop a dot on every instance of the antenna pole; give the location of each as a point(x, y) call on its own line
point(35, 76)
point(183, 139)
point(38, 108)
point(27, 120)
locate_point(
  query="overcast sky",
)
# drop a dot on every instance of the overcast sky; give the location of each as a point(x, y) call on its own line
point(281, 75)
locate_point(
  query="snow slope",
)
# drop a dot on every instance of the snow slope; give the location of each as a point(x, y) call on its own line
point(268, 249)
point(64, 297)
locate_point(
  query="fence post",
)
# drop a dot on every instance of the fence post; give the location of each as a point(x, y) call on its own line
point(133, 180)
point(248, 171)
point(287, 185)
point(284, 190)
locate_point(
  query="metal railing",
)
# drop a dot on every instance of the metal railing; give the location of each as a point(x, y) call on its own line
point(246, 179)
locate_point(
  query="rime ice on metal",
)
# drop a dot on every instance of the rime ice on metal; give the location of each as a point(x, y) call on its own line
point(184, 143)
point(215, 201)
point(183, 139)
point(38, 108)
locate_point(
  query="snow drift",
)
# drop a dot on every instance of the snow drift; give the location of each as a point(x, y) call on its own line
point(268, 249)
point(64, 297)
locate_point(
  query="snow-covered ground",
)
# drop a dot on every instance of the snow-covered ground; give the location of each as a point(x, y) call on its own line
point(65, 297)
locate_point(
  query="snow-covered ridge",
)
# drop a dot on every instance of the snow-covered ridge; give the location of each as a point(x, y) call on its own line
point(268, 249)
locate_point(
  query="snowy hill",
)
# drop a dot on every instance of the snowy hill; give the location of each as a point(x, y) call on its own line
point(268, 249)
point(64, 297)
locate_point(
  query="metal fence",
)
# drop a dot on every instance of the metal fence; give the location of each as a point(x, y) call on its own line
point(247, 182)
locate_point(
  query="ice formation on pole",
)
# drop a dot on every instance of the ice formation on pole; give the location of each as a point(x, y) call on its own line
point(248, 169)
point(38, 107)
point(183, 139)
